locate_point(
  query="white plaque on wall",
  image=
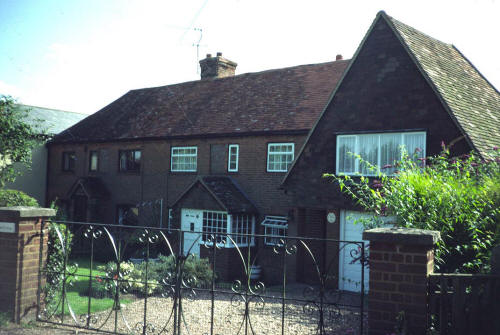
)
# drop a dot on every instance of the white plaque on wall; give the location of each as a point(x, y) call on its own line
point(7, 227)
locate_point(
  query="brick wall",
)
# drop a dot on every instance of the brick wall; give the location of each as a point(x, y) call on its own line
point(20, 259)
point(383, 91)
point(155, 180)
point(400, 262)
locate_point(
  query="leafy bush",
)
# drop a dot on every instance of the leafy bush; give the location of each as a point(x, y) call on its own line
point(132, 278)
point(197, 272)
point(459, 197)
point(16, 198)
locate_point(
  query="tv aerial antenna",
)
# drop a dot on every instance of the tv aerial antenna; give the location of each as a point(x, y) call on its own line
point(198, 45)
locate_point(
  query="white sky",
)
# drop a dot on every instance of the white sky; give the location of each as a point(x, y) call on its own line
point(82, 55)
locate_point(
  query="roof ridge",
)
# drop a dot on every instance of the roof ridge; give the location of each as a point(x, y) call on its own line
point(240, 75)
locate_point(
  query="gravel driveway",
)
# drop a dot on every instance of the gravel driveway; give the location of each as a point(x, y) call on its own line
point(301, 317)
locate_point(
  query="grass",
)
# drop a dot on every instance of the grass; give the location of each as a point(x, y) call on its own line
point(77, 294)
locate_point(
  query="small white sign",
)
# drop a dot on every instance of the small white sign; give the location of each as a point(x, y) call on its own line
point(7, 227)
point(331, 217)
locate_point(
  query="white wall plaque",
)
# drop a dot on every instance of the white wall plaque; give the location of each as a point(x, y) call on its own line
point(7, 227)
point(331, 217)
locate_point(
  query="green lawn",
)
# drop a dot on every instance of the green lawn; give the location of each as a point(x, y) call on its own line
point(77, 293)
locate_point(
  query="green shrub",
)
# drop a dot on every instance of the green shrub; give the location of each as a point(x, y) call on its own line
point(197, 272)
point(131, 279)
point(457, 196)
point(10, 198)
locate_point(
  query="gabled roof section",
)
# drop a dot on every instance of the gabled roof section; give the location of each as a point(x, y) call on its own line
point(471, 100)
point(53, 121)
point(227, 194)
point(283, 100)
point(92, 187)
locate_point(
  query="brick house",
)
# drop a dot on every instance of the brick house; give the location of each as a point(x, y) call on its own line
point(402, 87)
point(210, 154)
point(217, 153)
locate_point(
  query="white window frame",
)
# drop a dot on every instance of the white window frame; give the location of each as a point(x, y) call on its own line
point(229, 161)
point(228, 227)
point(242, 241)
point(172, 155)
point(292, 152)
point(274, 223)
point(357, 150)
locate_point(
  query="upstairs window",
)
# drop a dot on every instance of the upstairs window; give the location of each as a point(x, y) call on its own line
point(68, 161)
point(275, 228)
point(184, 159)
point(93, 161)
point(232, 158)
point(279, 156)
point(381, 150)
point(130, 160)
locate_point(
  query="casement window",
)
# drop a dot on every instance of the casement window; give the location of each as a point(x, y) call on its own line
point(127, 215)
point(184, 159)
point(275, 229)
point(68, 161)
point(93, 160)
point(233, 157)
point(221, 225)
point(279, 156)
point(381, 150)
point(130, 160)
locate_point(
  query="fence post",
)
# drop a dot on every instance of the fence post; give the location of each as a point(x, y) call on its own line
point(20, 231)
point(400, 261)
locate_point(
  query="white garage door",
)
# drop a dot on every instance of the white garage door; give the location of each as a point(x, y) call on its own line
point(351, 229)
point(349, 272)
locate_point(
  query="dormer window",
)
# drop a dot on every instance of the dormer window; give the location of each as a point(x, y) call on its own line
point(382, 150)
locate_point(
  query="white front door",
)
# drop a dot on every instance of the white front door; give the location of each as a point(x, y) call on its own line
point(192, 225)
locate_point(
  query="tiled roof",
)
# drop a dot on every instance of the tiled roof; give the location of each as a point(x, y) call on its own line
point(54, 121)
point(92, 186)
point(229, 196)
point(472, 100)
point(282, 100)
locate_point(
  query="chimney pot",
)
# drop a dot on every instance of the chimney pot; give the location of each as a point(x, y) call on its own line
point(219, 54)
point(209, 55)
point(339, 57)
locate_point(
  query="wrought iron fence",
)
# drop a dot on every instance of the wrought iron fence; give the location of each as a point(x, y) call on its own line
point(143, 280)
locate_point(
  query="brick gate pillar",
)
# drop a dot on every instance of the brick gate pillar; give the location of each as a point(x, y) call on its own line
point(400, 261)
point(20, 231)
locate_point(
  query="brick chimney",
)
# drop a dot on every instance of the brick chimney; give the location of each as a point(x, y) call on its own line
point(339, 57)
point(217, 67)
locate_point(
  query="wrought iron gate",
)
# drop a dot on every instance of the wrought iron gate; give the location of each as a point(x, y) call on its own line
point(239, 284)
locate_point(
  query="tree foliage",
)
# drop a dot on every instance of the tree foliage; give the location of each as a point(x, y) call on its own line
point(457, 196)
point(17, 138)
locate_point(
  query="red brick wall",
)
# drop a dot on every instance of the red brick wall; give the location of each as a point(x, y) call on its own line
point(19, 264)
point(398, 283)
point(155, 180)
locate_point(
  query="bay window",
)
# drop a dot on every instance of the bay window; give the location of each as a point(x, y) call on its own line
point(380, 150)
point(221, 225)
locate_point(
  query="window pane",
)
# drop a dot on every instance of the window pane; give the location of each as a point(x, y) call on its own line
point(415, 145)
point(347, 161)
point(389, 152)
point(368, 150)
